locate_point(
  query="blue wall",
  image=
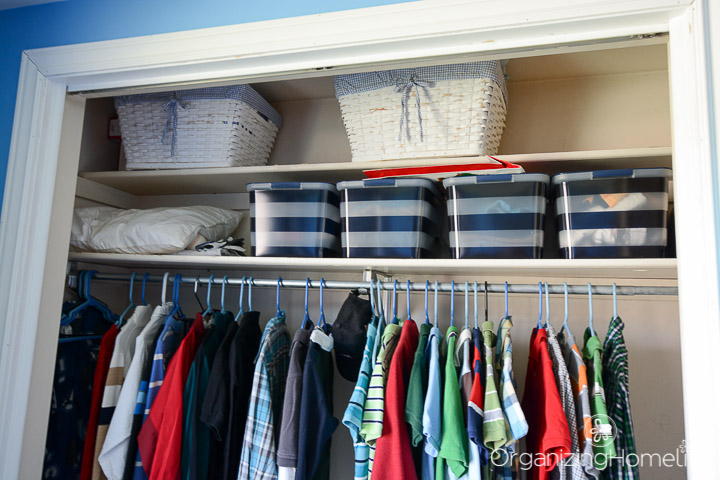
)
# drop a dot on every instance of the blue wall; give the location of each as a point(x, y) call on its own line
point(80, 21)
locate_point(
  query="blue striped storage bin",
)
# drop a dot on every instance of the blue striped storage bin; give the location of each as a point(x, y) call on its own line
point(294, 219)
point(612, 213)
point(391, 218)
point(497, 216)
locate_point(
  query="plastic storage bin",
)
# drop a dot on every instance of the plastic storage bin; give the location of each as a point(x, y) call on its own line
point(612, 213)
point(391, 218)
point(497, 216)
point(294, 219)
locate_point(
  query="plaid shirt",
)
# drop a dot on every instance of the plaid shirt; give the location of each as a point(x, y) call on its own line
point(570, 467)
point(257, 460)
point(494, 431)
point(615, 378)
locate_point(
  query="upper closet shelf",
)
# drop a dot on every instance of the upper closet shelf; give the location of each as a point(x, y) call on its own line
point(642, 268)
point(234, 179)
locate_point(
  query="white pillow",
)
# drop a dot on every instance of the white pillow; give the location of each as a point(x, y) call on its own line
point(157, 230)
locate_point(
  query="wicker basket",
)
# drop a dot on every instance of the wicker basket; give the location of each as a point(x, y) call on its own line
point(446, 110)
point(210, 127)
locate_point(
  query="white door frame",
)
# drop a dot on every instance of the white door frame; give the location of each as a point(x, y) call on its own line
point(37, 206)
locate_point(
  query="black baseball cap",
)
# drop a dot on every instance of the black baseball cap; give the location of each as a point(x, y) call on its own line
point(350, 334)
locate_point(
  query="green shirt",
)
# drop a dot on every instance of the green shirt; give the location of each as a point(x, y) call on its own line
point(417, 386)
point(495, 433)
point(454, 446)
point(603, 445)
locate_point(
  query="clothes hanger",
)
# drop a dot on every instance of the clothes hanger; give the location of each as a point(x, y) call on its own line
point(547, 305)
point(250, 285)
point(197, 282)
point(176, 310)
point(615, 315)
point(209, 309)
point(240, 301)
point(539, 323)
point(506, 300)
point(427, 317)
point(452, 304)
point(89, 301)
point(321, 319)
point(132, 302)
point(307, 314)
point(277, 297)
point(222, 295)
point(590, 307)
point(486, 302)
point(408, 300)
point(163, 294)
point(394, 304)
point(466, 305)
point(565, 322)
point(378, 301)
point(476, 310)
point(436, 304)
point(145, 277)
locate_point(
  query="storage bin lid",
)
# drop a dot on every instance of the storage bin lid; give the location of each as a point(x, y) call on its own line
point(502, 178)
point(605, 174)
point(242, 93)
point(254, 187)
point(389, 182)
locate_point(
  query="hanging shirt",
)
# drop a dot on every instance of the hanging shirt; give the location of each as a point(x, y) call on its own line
point(548, 437)
point(372, 423)
point(515, 422)
point(463, 358)
point(494, 431)
point(476, 402)
point(259, 449)
point(196, 436)
point(432, 408)
point(287, 454)
point(114, 451)
point(571, 467)
point(615, 379)
point(160, 439)
point(225, 408)
point(107, 346)
point(603, 446)
point(317, 423)
point(119, 364)
point(417, 386)
point(453, 448)
point(578, 380)
point(352, 418)
point(393, 456)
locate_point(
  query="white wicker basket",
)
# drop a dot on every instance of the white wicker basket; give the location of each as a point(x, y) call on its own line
point(210, 127)
point(461, 111)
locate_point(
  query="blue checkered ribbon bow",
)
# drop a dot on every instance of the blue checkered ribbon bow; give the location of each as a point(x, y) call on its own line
point(405, 89)
point(171, 107)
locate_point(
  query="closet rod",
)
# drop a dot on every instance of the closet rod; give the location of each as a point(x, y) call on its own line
point(402, 286)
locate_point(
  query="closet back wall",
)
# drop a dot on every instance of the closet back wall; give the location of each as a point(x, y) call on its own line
point(80, 21)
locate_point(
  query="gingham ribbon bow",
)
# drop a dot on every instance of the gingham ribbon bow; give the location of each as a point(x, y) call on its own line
point(405, 89)
point(171, 107)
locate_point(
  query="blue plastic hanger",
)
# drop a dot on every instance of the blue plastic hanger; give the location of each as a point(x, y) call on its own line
point(408, 301)
point(240, 302)
point(452, 304)
point(395, 317)
point(615, 315)
point(539, 324)
point(435, 319)
point(565, 322)
point(176, 310)
point(547, 305)
point(222, 294)
point(506, 300)
point(145, 277)
point(277, 297)
point(89, 301)
point(467, 322)
point(378, 301)
point(476, 310)
point(321, 320)
point(590, 307)
point(307, 314)
point(371, 295)
point(132, 302)
point(427, 317)
point(250, 285)
point(209, 309)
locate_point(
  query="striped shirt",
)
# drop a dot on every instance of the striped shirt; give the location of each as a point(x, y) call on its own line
point(477, 397)
point(259, 450)
point(372, 422)
point(603, 446)
point(453, 449)
point(571, 466)
point(494, 430)
point(578, 380)
point(615, 377)
point(464, 353)
point(352, 418)
point(119, 364)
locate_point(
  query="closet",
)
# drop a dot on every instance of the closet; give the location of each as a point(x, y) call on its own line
point(578, 106)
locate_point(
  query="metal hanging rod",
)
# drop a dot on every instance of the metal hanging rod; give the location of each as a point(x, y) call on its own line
point(402, 286)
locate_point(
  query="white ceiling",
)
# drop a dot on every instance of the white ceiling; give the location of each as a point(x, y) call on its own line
point(8, 4)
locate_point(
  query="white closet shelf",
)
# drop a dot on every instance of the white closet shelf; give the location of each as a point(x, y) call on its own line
point(641, 268)
point(234, 179)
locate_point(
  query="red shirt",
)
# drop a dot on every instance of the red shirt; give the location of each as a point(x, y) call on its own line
point(393, 456)
point(548, 437)
point(107, 345)
point(160, 439)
